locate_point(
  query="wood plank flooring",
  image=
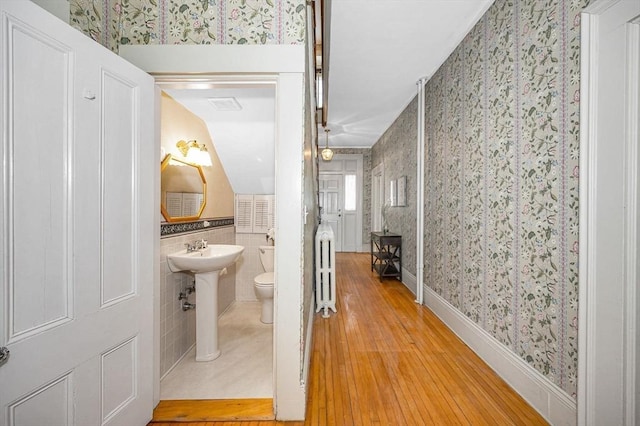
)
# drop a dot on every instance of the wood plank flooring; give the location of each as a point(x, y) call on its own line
point(383, 360)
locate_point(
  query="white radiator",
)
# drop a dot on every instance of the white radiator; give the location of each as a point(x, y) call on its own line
point(325, 270)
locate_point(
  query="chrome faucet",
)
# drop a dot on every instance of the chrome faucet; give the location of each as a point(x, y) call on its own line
point(196, 245)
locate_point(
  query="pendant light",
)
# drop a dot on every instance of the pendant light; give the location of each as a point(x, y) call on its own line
point(327, 153)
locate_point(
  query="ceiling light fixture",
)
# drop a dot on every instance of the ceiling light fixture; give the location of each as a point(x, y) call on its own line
point(327, 153)
point(194, 153)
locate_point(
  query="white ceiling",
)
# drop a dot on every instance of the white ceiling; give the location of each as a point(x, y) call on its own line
point(378, 51)
point(244, 139)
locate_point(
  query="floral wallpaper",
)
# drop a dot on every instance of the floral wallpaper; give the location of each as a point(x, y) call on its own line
point(116, 22)
point(396, 148)
point(501, 202)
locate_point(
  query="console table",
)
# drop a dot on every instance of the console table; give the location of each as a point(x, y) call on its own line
point(386, 254)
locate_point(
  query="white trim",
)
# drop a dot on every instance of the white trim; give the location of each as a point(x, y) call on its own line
point(420, 194)
point(549, 400)
point(631, 223)
point(607, 351)
point(219, 59)
point(326, 171)
point(284, 66)
point(409, 280)
point(308, 340)
point(586, 291)
point(377, 171)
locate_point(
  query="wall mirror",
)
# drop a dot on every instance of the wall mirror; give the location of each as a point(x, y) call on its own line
point(183, 190)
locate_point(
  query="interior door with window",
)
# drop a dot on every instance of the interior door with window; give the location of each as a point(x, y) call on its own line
point(341, 199)
point(79, 199)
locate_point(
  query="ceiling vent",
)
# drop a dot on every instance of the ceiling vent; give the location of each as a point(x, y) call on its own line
point(225, 104)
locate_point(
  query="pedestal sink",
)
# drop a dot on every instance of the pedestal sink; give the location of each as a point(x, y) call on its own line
point(206, 264)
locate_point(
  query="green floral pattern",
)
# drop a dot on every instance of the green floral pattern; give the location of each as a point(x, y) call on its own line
point(502, 118)
point(86, 15)
point(192, 22)
point(117, 22)
point(251, 22)
point(474, 175)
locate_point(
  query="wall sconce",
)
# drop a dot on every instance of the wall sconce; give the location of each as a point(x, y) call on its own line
point(327, 153)
point(194, 153)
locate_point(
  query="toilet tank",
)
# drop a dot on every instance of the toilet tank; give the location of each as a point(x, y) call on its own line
point(266, 257)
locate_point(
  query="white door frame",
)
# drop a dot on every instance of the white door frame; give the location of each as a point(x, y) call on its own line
point(284, 66)
point(328, 170)
point(609, 193)
point(377, 196)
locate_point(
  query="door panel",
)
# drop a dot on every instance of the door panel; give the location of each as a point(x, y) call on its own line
point(118, 161)
point(76, 250)
point(342, 196)
point(330, 203)
point(39, 189)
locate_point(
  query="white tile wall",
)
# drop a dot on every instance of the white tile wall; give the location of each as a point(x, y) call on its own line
point(249, 266)
point(177, 327)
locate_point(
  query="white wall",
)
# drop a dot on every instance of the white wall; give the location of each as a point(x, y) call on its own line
point(59, 8)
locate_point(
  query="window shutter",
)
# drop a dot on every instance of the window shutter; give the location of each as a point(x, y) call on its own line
point(254, 213)
point(262, 213)
point(244, 213)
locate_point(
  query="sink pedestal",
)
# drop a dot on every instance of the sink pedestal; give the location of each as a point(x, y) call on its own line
point(207, 316)
point(206, 264)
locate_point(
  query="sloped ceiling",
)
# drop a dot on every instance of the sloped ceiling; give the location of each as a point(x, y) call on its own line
point(243, 139)
point(378, 51)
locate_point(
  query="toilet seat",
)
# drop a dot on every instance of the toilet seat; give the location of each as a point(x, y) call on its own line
point(264, 279)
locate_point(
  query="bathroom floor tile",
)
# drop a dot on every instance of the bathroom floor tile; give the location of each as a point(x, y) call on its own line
point(243, 370)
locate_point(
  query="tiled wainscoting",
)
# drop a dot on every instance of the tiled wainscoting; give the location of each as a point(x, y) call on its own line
point(177, 327)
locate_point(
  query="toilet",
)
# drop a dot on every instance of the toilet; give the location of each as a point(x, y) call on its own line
point(263, 283)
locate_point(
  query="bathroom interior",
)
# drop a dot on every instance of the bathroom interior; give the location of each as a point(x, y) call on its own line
point(232, 203)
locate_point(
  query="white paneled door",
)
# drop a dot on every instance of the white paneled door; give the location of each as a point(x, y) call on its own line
point(77, 227)
point(340, 185)
point(331, 194)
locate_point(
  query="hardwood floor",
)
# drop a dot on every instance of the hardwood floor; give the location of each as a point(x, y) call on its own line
point(383, 360)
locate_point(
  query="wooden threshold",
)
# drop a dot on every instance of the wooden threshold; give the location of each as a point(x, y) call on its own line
point(207, 410)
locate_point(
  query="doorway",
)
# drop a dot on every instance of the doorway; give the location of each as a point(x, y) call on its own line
point(235, 121)
point(377, 197)
point(340, 187)
point(283, 66)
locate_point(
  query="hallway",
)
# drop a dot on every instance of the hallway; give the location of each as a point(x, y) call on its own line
point(383, 360)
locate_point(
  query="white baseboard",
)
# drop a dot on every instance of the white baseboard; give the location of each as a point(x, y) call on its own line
point(410, 281)
point(555, 405)
point(307, 344)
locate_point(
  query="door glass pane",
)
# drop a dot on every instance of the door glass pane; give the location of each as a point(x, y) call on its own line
point(350, 192)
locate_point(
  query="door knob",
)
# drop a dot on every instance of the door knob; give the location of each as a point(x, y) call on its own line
point(4, 355)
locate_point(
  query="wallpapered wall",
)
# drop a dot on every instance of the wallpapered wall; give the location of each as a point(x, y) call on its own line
point(501, 221)
point(396, 149)
point(116, 22)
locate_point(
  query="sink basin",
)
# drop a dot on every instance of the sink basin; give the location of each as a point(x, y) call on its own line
point(214, 258)
point(206, 264)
